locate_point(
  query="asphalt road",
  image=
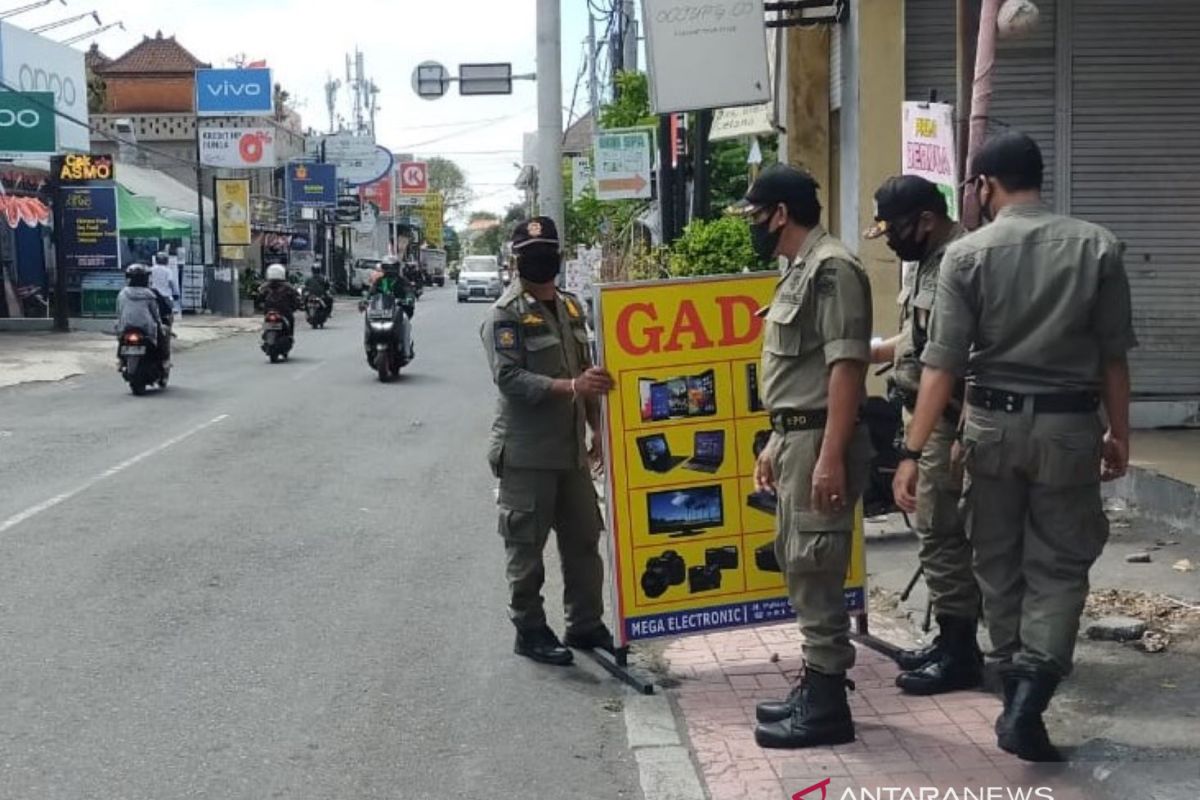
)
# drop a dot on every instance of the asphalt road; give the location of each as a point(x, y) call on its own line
point(277, 582)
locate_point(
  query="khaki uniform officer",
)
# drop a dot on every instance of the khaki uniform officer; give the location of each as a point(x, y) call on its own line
point(912, 213)
point(1034, 310)
point(536, 341)
point(815, 351)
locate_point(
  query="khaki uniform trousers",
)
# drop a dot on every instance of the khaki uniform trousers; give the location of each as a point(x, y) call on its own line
point(945, 554)
point(532, 501)
point(1036, 524)
point(814, 549)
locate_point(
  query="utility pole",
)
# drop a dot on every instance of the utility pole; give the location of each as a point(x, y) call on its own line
point(629, 37)
point(593, 79)
point(549, 82)
point(981, 99)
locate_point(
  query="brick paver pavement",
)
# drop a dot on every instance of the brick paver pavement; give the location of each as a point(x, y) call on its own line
point(945, 742)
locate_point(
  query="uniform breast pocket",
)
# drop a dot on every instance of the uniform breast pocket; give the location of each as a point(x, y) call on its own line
point(782, 336)
point(544, 355)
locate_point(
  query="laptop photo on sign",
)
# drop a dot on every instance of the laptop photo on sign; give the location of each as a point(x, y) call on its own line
point(656, 453)
point(709, 452)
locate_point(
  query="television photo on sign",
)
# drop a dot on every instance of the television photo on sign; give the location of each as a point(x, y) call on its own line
point(685, 512)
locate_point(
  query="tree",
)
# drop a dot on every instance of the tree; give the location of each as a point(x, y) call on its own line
point(714, 247)
point(283, 100)
point(730, 174)
point(478, 215)
point(489, 242)
point(447, 177)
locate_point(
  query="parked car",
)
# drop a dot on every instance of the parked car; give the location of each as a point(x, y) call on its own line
point(360, 276)
point(480, 278)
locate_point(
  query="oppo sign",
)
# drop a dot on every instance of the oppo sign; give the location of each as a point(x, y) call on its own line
point(27, 118)
point(36, 79)
point(30, 63)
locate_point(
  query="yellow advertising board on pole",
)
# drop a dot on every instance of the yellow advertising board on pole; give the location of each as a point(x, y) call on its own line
point(692, 541)
point(432, 213)
point(232, 197)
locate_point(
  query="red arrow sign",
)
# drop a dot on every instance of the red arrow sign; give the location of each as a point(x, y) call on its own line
point(634, 184)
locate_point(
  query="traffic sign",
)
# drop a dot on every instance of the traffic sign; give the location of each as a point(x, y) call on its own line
point(477, 79)
point(430, 80)
point(623, 163)
point(414, 177)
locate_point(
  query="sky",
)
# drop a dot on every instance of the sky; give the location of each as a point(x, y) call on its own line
point(306, 41)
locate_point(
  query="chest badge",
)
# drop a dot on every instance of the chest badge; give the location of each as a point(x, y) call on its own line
point(533, 320)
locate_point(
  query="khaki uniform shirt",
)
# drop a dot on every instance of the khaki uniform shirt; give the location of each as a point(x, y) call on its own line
point(528, 346)
point(821, 313)
point(916, 308)
point(1032, 303)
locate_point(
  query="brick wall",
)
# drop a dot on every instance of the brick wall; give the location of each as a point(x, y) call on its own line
point(157, 95)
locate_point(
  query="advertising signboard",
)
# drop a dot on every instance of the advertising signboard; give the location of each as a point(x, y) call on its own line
point(378, 194)
point(32, 63)
point(27, 124)
point(623, 162)
point(928, 149)
point(692, 539)
point(312, 185)
point(358, 159)
point(712, 55)
point(237, 148)
point(89, 239)
point(432, 212)
point(232, 198)
point(234, 92)
point(413, 177)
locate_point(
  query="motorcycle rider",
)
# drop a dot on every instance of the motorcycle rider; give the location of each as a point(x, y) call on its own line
point(164, 281)
point(414, 275)
point(318, 286)
point(389, 279)
point(280, 296)
point(138, 307)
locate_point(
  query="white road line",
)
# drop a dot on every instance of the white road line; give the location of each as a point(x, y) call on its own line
point(46, 505)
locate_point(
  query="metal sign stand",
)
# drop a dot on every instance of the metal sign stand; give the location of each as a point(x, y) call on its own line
point(616, 664)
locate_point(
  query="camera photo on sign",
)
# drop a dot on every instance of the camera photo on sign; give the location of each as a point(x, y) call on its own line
point(676, 573)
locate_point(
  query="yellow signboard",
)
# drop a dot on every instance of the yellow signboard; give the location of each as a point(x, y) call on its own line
point(692, 539)
point(432, 214)
point(232, 199)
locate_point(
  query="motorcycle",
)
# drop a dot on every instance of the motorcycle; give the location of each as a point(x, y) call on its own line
point(388, 335)
point(416, 279)
point(140, 362)
point(316, 310)
point(276, 336)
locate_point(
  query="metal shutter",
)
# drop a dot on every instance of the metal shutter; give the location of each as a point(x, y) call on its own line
point(1135, 168)
point(1023, 87)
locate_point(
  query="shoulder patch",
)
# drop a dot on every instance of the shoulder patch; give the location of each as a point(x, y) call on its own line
point(505, 333)
point(572, 307)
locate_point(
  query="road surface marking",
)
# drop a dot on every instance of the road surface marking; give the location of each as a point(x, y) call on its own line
point(46, 505)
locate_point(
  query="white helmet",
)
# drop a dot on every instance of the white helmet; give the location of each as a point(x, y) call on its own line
point(276, 272)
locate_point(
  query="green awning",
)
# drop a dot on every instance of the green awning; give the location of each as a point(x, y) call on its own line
point(139, 219)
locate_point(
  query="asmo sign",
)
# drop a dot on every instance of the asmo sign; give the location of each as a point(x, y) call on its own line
point(84, 168)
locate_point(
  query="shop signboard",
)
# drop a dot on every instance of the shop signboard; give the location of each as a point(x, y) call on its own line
point(82, 169)
point(234, 92)
point(27, 124)
point(312, 185)
point(89, 237)
point(32, 63)
point(232, 198)
point(431, 212)
point(692, 540)
point(928, 148)
point(378, 194)
point(237, 148)
point(623, 162)
point(358, 159)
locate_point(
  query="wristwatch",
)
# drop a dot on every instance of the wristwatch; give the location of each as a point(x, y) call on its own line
point(909, 455)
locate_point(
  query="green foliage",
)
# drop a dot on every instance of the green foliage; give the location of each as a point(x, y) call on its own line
point(631, 105)
point(447, 177)
point(453, 245)
point(489, 242)
point(714, 247)
point(730, 176)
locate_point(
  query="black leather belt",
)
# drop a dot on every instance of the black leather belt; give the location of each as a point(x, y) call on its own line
point(950, 413)
point(1014, 402)
point(791, 420)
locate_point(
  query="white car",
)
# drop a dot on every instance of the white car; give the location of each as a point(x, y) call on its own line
point(480, 279)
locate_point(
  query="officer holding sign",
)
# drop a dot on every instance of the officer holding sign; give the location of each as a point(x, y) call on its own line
point(536, 340)
point(815, 354)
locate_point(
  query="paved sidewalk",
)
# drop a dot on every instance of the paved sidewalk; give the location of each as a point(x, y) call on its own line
point(903, 742)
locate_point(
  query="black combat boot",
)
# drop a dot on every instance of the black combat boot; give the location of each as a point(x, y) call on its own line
point(957, 663)
point(597, 638)
point(1020, 730)
point(909, 660)
point(542, 646)
point(779, 710)
point(821, 715)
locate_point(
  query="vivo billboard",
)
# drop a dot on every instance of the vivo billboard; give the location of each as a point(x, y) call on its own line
point(32, 63)
point(234, 92)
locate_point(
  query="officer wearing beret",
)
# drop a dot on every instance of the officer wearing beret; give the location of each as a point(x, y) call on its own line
point(912, 214)
point(536, 340)
point(815, 352)
point(1034, 310)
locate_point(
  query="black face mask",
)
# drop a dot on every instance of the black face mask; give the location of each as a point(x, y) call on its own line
point(909, 247)
point(538, 268)
point(765, 241)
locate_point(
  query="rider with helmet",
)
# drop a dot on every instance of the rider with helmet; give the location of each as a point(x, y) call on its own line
point(318, 286)
point(390, 279)
point(280, 296)
point(138, 307)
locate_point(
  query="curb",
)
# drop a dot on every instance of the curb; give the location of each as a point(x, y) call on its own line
point(665, 767)
point(1158, 497)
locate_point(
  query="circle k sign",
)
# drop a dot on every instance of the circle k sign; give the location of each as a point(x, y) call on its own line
point(414, 177)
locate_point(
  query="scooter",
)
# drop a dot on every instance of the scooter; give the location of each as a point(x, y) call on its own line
point(316, 311)
point(140, 362)
point(276, 337)
point(387, 335)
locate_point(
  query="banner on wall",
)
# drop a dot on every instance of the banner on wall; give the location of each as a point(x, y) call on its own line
point(692, 540)
point(929, 151)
